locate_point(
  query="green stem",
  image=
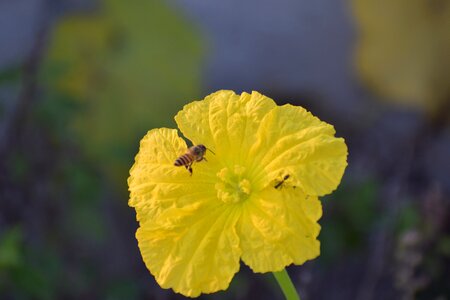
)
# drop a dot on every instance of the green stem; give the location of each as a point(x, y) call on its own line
point(286, 285)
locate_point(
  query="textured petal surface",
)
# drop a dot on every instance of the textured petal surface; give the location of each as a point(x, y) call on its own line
point(225, 122)
point(278, 228)
point(291, 141)
point(155, 184)
point(192, 250)
point(255, 199)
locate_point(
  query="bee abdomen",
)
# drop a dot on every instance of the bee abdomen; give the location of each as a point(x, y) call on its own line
point(183, 160)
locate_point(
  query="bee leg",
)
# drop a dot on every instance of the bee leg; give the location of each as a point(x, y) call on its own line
point(189, 168)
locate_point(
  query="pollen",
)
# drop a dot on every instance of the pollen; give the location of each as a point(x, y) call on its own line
point(232, 185)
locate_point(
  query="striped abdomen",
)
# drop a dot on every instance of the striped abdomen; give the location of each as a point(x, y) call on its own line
point(184, 160)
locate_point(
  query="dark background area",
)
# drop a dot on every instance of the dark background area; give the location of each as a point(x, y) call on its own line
point(82, 81)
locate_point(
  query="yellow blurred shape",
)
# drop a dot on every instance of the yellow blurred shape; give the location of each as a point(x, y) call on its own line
point(131, 65)
point(404, 50)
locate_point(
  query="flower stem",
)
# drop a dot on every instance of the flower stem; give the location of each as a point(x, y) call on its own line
point(286, 285)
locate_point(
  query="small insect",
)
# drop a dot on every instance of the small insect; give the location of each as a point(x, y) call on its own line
point(193, 154)
point(279, 184)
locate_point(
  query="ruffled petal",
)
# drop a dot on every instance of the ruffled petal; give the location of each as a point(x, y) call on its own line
point(192, 250)
point(278, 228)
point(255, 199)
point(155, 184)
point(291, 141)
point(225, 122)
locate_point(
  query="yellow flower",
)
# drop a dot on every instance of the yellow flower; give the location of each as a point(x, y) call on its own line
point(255, 199)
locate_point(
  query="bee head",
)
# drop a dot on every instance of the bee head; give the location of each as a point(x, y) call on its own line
point(200, 149)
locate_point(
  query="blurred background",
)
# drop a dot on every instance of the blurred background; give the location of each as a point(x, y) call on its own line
point(82, 81)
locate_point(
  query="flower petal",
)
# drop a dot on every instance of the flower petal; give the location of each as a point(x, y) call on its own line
point(192, 250)
point(225, 122)
point(291, 141)
point(278, 228)
point(155, 184)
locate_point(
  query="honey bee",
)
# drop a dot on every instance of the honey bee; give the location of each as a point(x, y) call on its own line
point(193, 154)
point(279, 184)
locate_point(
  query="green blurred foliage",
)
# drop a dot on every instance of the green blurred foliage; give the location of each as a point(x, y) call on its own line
point(9, 79)
point(408, 218)
point(84, 202)
point(125, 69)
point(30, 272)
point(123, 289)
point(19, 166)
point(353, 212)
point(10, 248)
point(37, 276)
point(443, 246)
point(10, 75)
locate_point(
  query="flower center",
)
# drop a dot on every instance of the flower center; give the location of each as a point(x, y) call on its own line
point(232, 186)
